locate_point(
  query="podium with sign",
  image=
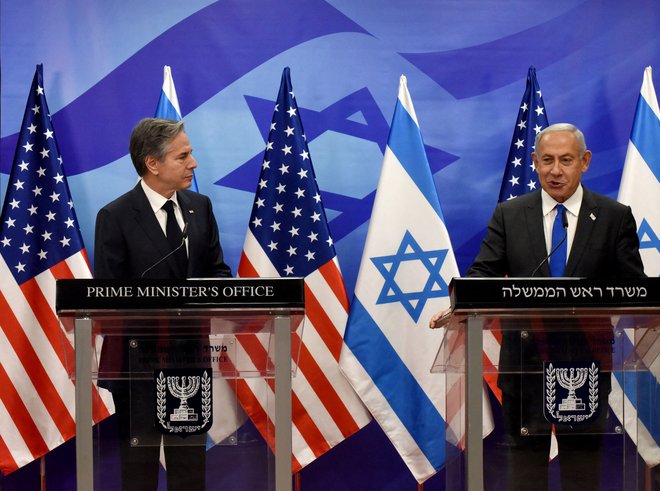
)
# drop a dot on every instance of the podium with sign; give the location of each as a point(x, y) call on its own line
point(575, 358)
point(175, 354)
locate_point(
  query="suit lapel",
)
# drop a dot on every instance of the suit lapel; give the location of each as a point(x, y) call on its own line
point(188, 217)
point(146, 220)
point(534, 227)
point(583, 231)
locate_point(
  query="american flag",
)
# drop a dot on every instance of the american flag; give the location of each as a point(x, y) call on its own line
point(39, 243)
point(288, 235)
point(519, 175)
point(519, 178)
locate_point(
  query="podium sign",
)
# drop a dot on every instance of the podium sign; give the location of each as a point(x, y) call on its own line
point(172, 350)
point(559, 350)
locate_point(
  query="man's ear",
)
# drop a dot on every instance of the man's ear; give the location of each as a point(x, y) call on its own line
point(586, 160)
point(151, 164)
point(535, 160)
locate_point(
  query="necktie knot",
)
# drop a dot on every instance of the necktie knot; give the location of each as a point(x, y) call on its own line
point(169, 207)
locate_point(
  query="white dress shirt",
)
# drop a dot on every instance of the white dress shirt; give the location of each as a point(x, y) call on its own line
point(157, 201)
point(572, 206)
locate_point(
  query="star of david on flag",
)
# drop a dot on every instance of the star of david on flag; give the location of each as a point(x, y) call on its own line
point(638, 393)
point(640, 182)
point(426, 261)
point(406, 264)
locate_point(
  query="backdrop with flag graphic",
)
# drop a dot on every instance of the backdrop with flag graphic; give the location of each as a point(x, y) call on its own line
point(168, 107)
point(403, 277)
point(288, 235)
point(640, 189)
point(39, 243)
point(519, 178)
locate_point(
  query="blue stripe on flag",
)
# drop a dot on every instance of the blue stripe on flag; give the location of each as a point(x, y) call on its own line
point(645, 135)
point(165, 109)
point(392, 377)
point(643, 391)
point(406, 143)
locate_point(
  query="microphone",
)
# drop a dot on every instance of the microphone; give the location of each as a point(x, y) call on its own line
point(564, 223)
point(184, 236)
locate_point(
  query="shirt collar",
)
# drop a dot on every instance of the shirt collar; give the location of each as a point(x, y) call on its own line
point(156, 200)
point(572, 204)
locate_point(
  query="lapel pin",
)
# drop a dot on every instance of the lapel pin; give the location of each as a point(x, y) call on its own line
point(193, 211)
point(592, 216)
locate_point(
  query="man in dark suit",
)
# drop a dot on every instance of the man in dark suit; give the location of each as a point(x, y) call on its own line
point(601, 242)
point(602, 234)
point(132, 234)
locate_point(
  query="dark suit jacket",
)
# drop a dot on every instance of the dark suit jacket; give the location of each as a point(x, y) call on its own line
point(129, 240)
point(605, 245)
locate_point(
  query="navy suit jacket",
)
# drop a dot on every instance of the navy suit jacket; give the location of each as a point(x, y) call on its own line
point(129, 240)
point(605, 245)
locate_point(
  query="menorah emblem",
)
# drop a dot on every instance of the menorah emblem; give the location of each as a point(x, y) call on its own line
point(183, 390)
point(190, 390)
point(577, 379)
point(572, 379)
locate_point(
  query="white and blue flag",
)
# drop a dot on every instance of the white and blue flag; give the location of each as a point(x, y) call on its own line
point(640, 189)
point(406, 266)
point(226, 417)
point(640, 182)
point(168, 107)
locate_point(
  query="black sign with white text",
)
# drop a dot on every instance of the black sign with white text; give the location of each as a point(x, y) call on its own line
point(180, 294)
point(525, 293)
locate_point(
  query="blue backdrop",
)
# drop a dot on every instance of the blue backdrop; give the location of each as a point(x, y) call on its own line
point(466, 63)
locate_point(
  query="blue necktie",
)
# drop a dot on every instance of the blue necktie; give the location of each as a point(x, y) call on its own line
point(558, 258)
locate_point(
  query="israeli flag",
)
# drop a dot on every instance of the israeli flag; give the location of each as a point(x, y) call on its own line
point(168, 106)
point(640, 183)
point(406, 266)
point(637, 393)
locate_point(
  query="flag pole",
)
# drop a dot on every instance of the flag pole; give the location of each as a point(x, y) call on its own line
point(42, 472)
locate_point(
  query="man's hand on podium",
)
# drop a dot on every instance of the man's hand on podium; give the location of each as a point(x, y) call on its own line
point(441, 319)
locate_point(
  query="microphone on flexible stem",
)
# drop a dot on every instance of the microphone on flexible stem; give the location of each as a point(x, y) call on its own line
point(564, 223)
point(184, 236)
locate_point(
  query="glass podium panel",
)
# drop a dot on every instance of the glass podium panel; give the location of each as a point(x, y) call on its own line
point(573, 400)
point(176, 377)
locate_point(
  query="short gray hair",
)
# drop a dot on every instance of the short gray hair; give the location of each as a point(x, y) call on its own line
point(571, 128)
point(152, 137)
